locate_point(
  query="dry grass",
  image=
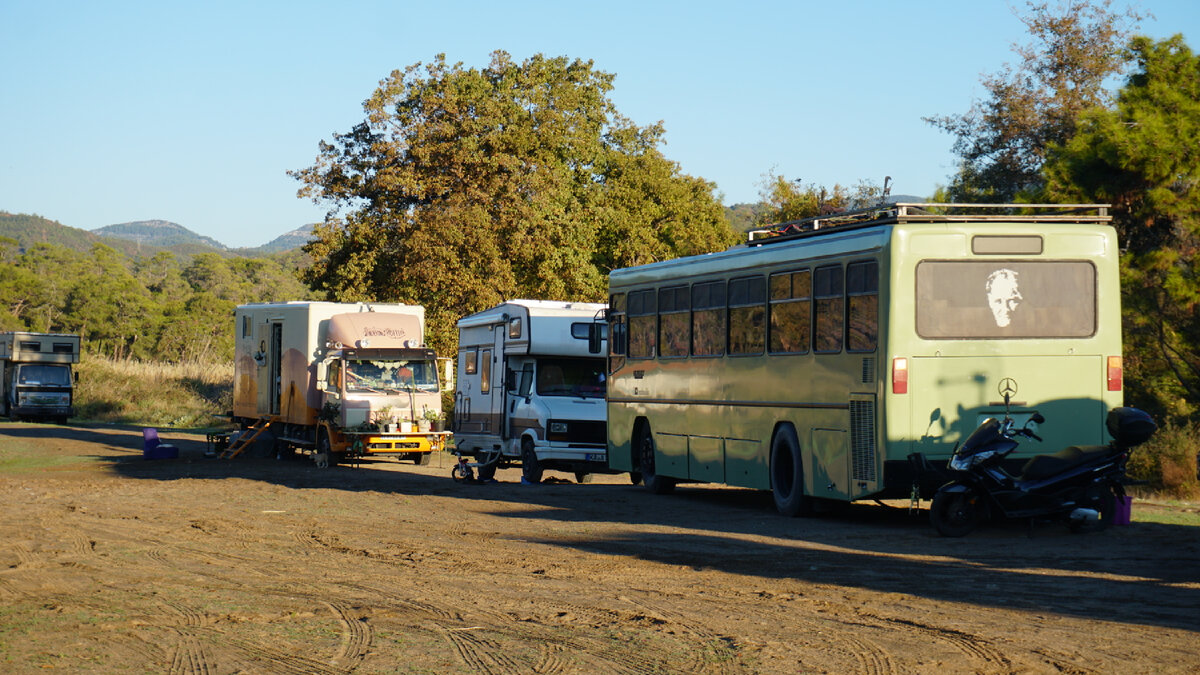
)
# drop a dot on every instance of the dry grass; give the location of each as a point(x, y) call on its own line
point(174, 395)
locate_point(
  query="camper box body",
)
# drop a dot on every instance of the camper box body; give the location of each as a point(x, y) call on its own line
point(37, 380)
point(530, 387)
point(338, 377)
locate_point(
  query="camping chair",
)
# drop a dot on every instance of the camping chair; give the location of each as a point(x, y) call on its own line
point(153, 448)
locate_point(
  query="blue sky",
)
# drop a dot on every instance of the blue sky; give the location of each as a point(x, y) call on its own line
point(193, 112)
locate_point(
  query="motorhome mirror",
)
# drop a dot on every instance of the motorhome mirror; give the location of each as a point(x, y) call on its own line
point(595, 337)
point(322, 374)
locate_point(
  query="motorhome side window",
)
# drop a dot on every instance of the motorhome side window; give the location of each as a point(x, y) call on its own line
point(485, 372)
point(334, 377)
point(470, 363)
point(246, 332)
point(830, 309)
point(514, 328)
point(747, 315)
point(526, 385)
point(862, 306)
point(790, 321)
point(642, 331)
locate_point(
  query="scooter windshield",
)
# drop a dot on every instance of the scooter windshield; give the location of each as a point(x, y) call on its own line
point(983, 438)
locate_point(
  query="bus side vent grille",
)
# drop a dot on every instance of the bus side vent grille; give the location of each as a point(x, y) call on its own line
point(862, 439)
point(868, 370)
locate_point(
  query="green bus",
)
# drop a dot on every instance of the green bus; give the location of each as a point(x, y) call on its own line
point(832, 358)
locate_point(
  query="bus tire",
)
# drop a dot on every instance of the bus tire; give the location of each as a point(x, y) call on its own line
point(659, 485)
point(787, 475)
point(531, 469)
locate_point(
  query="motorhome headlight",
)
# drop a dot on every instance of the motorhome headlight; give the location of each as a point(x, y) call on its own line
point(558, 427)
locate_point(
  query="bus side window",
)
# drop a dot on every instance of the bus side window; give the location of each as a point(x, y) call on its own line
point(617, 331)
point(862, 306)
point(791, 312)
point(747, 315)
point(673, 322)
point(708, 319)
point(829, 322)
point(642, 328)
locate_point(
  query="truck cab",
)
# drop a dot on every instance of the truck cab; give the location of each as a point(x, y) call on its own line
point(37, 380)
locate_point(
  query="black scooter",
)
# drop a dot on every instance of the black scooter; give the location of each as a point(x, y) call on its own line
point(1079, 484)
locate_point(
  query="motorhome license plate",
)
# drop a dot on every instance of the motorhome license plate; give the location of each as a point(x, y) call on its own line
point(595, 457)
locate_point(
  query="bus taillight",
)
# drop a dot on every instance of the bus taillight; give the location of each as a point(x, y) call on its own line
point(900, 375)
point(1116, 374)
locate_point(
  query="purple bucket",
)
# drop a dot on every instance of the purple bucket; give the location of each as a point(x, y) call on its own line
point(1124, 511)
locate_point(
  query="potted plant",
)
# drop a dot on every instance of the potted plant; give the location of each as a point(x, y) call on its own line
point(432, 418)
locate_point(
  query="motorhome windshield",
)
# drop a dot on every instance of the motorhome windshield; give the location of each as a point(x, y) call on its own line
point(382, 376)
point(571, 377)
point(44, 375)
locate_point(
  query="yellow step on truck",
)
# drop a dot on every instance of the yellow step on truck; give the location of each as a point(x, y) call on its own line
point(338, 380)
point(37, 381)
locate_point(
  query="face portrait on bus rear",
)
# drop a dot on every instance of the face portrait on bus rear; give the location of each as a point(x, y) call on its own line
point(1003, 295)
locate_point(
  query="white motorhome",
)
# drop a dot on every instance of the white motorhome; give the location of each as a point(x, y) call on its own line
point(337, 379)
point(35, 374)
point(531, 385)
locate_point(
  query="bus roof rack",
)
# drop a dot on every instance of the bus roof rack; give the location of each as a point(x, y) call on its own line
point(910, 212)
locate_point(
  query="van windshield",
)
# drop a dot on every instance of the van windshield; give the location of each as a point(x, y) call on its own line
point(583, 378)
point(383, 376)
point(43, 374)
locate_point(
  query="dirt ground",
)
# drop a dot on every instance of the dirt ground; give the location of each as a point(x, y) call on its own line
point(202, 566)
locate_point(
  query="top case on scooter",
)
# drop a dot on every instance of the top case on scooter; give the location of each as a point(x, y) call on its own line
point(1044, 466)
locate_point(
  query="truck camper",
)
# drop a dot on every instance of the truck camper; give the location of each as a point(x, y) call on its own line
point(531, 386)
point(336, 380)
point(37, 382)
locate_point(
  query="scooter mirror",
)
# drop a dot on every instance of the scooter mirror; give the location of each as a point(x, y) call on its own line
point(1037, 418)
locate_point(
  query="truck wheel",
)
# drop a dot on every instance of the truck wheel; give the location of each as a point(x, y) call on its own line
point(531, 469)
point(644, 443)
point(422, 458)
point(787, 475)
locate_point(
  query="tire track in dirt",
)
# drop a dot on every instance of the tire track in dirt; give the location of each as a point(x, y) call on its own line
point(971, 645)
point(481, 654)
point(714, 651)
point(356, 636)
point(189, 657)
point(872, 660)
point(279, 661)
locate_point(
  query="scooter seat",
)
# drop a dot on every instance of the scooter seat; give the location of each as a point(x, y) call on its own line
point(1044, 466)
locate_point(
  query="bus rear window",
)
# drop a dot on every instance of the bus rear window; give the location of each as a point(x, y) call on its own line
point(1006, 299)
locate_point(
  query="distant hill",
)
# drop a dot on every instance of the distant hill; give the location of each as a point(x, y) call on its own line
point(28, 230)
point(284, 242)
point(161, 233)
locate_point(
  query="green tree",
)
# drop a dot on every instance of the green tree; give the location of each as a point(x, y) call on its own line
point(464, 187)
point(1143, 157)
point(784, 200)
point(1001, 140)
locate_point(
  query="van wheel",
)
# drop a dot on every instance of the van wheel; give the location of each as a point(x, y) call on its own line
point(787, 475)
point(659, 485)
point(531, 470)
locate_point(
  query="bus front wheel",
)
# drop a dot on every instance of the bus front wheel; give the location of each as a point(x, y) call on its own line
point(787, 475)
point(659, 485)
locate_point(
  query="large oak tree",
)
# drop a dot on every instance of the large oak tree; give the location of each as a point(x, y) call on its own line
point(464, 187)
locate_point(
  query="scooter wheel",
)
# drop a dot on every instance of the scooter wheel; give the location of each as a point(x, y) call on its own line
point(956, 514)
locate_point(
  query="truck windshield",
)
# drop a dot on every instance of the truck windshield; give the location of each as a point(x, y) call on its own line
point(43, 374)
point(382, 376)
point(571, 377)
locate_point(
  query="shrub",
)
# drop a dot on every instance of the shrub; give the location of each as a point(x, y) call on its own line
point(1168, 461)
point(178, 395)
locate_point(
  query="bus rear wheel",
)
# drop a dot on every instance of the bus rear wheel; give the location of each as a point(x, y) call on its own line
point(787, 475)
point(659, 485)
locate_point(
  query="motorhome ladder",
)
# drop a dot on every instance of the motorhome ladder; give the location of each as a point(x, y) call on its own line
point(247, 438)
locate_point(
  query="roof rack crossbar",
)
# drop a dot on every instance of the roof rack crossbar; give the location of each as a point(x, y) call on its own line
point(930, 212)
